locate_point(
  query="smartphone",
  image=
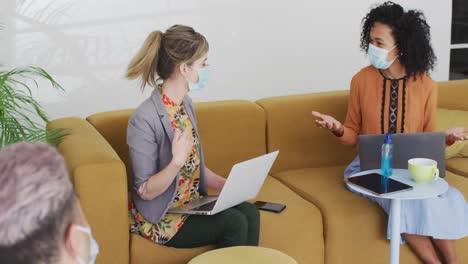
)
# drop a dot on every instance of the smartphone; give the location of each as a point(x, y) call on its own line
point(271, 207)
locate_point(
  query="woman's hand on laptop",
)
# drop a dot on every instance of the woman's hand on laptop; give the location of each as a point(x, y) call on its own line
point(213, 180)
point(328, 122)
point(455, 134)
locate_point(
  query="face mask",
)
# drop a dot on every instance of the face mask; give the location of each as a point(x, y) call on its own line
point(378, 57)
point(202, 79)
point(93, 246)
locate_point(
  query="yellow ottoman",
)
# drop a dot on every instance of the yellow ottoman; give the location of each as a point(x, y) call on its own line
point(244, 255)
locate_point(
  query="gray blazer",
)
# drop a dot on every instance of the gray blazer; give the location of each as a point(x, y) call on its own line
point(149, 137)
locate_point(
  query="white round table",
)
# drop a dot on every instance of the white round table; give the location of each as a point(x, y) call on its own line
point(419, 191)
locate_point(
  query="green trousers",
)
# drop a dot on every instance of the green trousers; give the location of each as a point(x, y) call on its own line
point(237, 226)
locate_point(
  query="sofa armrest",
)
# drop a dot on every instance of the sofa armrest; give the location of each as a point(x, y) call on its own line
point(100, 180)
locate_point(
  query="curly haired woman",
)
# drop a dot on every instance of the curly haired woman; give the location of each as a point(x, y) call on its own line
point(395, 94)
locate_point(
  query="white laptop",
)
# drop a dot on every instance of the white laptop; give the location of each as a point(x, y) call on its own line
point(244, 183)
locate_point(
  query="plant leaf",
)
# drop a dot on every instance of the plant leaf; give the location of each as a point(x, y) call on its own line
point(19, 109)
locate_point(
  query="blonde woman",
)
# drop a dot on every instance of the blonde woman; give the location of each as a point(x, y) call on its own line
point(165, 150)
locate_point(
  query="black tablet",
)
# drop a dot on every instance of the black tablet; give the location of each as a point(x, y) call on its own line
point(377, 184)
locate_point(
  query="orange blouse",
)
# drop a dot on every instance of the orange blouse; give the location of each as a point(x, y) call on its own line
point(369, 106)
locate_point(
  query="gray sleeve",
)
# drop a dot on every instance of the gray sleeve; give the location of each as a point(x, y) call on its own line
point(143, 150)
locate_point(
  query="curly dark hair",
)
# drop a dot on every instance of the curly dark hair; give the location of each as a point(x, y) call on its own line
point(411, 33)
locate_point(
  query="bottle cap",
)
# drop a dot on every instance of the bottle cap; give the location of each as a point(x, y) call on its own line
point(388, 138)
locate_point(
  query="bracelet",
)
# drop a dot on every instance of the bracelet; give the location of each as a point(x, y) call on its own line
point(449, 142)
point(338, 133)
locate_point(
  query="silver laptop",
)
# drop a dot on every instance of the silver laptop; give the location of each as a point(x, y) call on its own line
point(405, 147)
point(244, 183)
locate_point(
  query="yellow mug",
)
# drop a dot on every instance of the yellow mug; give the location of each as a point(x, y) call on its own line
point(423, 170)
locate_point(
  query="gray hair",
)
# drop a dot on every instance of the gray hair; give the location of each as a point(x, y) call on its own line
point(34, 184)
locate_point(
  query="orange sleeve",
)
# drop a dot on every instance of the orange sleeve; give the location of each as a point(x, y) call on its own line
point(352, 124)
point(430, 109)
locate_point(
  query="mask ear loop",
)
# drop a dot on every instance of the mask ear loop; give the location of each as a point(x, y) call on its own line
point(87, 231)
point(190, 82)
point(83, 229)
point(396, 57)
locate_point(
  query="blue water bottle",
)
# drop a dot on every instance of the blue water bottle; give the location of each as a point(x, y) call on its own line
point(387, 156)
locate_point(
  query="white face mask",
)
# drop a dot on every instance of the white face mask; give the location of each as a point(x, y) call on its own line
point(378, 57)
point(93, 246)
point(203, 74)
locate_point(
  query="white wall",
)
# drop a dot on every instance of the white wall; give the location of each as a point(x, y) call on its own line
point(258, 48)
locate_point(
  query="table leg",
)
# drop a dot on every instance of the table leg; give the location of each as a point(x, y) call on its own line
point(395, 236)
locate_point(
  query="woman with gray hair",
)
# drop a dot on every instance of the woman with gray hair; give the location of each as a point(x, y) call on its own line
point(41, 220)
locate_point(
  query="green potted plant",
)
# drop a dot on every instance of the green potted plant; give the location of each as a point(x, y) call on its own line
point(21, 116)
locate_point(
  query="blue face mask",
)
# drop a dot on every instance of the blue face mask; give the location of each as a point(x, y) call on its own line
point(93, 246)
point(378, 57)
point(203, 74)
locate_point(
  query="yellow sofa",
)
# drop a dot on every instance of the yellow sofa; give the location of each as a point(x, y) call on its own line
point(323, 222)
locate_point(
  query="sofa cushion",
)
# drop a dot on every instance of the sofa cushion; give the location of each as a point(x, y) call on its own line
point(113, 127)
point(297, 231)
point(231, 132)
point(354, 227)
point(292, 130)
point(453, 94)
point(459, 166)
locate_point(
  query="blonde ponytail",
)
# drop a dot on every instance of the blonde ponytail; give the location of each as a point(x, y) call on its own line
point(145, 62)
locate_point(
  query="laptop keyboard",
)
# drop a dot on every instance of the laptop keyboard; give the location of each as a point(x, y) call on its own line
point(205, 207)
